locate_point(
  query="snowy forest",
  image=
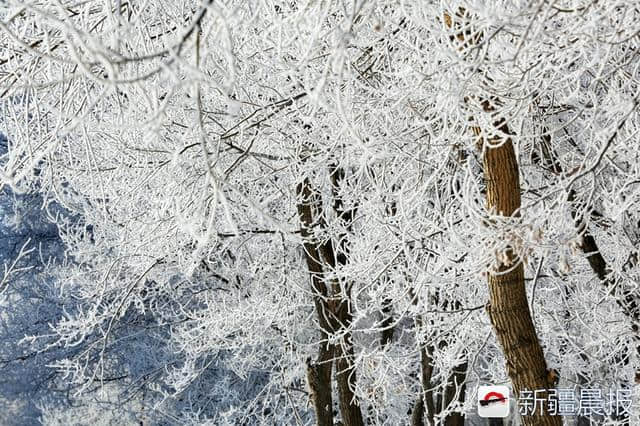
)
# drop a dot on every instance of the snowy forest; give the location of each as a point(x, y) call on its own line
point(319, 212)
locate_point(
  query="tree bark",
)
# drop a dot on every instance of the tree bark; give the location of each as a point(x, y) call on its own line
point(508, 307)
point(424, 406)
point(332, 300)
point(319, 373)
point(319, 379)
point(455, 390)
point(345, 368)
point(346, 378)
point(417, 414)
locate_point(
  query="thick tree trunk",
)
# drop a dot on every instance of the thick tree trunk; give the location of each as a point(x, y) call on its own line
point(508, 308)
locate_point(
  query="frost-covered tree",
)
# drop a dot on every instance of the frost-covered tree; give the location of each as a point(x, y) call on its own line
point(30, 251)
point(307, 211)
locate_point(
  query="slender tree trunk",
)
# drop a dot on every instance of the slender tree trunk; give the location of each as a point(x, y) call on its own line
point(332, 301)
point(345, 368)
point(455, 391)
point(319, 379)
point(455, 386)
point(426, 373)
point(627, 301)
point(346, 378)
point(319, 373)
point(387, 332)
point(424, 405)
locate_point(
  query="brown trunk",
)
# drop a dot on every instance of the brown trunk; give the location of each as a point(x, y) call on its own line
point(319, 379)
point(346, 378)
point(333, 307)
point(345, 369)
point(310, 202)
point(455, 390)
point(417, 414)
point(508, 308)
point(424, 406)
point(319, 373)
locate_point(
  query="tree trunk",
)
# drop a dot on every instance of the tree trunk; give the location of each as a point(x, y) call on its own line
point(319, 379)
point(346, 378)
point(417, 414)
point(345, 368)
point(426, 372)
point(455, 386)
point(332, 301)
point(627, 301)
point(508, 308)
point(424, 406)
point(319, 373)
point(455, 390)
